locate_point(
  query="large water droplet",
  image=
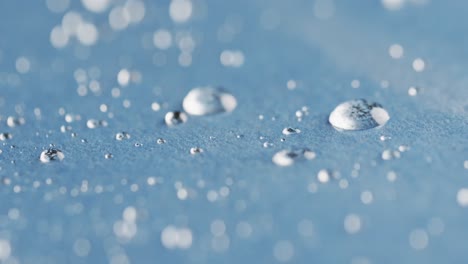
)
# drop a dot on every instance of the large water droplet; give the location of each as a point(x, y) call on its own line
point(358, 115)
point(175, 118)
point(287, 157)
point(51, 154)
point(208, 100)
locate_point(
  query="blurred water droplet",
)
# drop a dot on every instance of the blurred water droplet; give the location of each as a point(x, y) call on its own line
point(15, 121)
point(290, 131)
point(324, 176)
point(122, 136)
point(5, 136)
point(389, 154)
point(385, 138)
point(413, 91)
point(196, 150)
point(64, 128)
point(287, 157)
point(93, 123)
point(175, 118)
point(419, 65)
point(208, 100)
point(358, 115)
point(50, 155)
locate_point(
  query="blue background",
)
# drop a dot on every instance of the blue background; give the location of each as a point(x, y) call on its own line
point(323, 56)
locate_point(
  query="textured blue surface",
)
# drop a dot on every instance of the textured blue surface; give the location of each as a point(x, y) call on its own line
point(323, 56)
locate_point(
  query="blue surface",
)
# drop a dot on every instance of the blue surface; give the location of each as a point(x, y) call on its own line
point(323, 56)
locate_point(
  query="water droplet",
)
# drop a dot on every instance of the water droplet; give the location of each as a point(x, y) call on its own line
point(413, 91)
point(323, 176)
point(390, 155)
point(290, 131)
point(122, 136)
point(419, 65)
point(418, 239)
point(352, 223)
point(291, 84)
point(385, 138)
point(355, 84)
point(15, 121)
point(196, 150)
point(161, 141)
point(93, 123)
point(208, 100)
point(5, 136)
point(358, 115)
point(64, 128)
point(51, 154)
point(108, 156)
point(396, 51)
point(287, 157)
point(175, 118)
point(462, 197)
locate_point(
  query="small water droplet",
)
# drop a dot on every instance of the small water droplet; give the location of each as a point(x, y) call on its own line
point(291, 84)
point(355, 84)
point(196, 150)
point(15, 121)
point(358, 115)
point(122, 136)
point(389, 154)
point(419, 65)
point(161, 141)
point(208, 100)
point(287, 157)
point(403, 148)
point(5, 136)
point(175, 118)
point(290, 131)
point(50, 155)
point(384, 138)
point(64, 128)
point(108, 156)
point(323, 176)
point(413, 91)
point(93, 123)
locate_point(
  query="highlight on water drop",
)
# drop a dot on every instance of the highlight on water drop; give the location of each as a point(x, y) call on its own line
point(358, 115)
point(208, 100)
